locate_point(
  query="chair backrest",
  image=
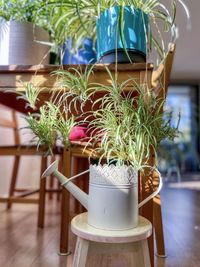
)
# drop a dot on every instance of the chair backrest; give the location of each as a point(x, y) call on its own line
point(10, 123)
point(161, 76)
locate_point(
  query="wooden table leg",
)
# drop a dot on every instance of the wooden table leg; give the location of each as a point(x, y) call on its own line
point(83, 165)
point(147, 188)
point(65, 215)
point(75, 170)
point(42, 192)
point(13, 180)
point(158, 226)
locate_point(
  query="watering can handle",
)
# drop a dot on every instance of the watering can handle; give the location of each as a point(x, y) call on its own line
point(75, 176)
point(142, 202)
point(154, 193)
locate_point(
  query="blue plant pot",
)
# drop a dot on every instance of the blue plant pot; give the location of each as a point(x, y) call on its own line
point(84, 55)
point(115, 36)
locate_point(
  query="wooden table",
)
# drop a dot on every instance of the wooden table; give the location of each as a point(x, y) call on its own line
point(12, 77)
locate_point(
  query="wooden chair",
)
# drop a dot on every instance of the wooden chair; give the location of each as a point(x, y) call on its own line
point(18, 195)
point(160, 82)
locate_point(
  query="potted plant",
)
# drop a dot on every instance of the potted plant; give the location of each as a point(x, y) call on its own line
point(60, 18)
point(124, 130)
point(22, 37)
point(124, 30)
point(82, 55)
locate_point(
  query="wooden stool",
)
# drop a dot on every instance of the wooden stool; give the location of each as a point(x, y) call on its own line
point(90, 239)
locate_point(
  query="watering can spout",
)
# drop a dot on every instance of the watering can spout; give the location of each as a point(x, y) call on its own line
point(80, 195)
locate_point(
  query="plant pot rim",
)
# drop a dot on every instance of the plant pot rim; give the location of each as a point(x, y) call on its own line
point(110, 174)
point(124, 7)
point(18, 22)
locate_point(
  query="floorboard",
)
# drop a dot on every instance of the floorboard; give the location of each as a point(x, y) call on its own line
point(23, 245)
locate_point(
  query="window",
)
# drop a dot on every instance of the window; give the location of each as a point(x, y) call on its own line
point(183, 99)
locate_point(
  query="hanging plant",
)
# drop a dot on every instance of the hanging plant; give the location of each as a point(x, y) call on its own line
point(154, 20)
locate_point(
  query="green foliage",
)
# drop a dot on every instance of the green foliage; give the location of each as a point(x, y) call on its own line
point(63, 128)
point(79, 18)
point(75, 87)
point(34, 11)
point(31, 94)
point(126, 128)
point(50, 125)
point(21, 10)
point(43, 125)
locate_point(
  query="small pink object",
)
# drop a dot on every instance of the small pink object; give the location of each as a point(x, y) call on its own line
point(78, 133)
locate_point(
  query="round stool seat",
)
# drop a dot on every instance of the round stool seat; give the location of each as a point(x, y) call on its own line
point(81, 228)
point(91, 240)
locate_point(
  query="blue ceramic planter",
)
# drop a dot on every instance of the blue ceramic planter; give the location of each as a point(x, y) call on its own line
point(84, 55)
point(112, 37)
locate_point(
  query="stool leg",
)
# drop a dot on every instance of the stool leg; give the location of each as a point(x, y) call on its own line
point(81, 251)
point(140, 256)
point(145, 250)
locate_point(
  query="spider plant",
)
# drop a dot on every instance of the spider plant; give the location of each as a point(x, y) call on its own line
point(30, 95)
point(75, 87)
point(24, 10)
point(85, 13)
point(124, 126)
point(49, 125)
point(127, 137)
point(21, 10)
point(127, 131)
point(43, 125)
point(63, 127)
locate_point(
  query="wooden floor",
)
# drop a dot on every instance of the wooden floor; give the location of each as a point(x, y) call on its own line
point(23, 245)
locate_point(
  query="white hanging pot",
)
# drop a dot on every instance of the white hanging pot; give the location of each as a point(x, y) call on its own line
point(20, 44)
point(112, 202)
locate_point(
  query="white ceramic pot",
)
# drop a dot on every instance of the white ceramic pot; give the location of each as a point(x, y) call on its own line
point(19, 46)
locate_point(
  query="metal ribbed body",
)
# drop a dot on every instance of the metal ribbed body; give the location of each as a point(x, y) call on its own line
point(113, 197)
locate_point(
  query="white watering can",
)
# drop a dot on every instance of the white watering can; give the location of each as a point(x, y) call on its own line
point(112, 202)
